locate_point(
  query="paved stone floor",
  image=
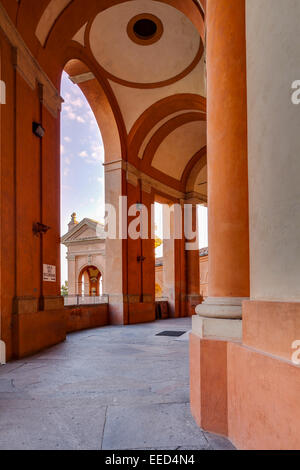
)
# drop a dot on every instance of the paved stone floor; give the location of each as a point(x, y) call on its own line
point(109, 388)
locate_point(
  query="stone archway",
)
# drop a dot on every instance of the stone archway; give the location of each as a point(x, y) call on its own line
point(123, 105)
point(89, 281)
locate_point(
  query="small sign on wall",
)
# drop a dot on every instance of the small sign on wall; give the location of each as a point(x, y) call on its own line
point(49, 273)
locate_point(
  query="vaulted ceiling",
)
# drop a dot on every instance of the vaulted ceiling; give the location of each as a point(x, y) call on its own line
point(141, 64)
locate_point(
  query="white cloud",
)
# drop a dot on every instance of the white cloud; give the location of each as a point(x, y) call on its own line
point(67, 139)
point(83, 154)
point(78, 102)
point(71, 116)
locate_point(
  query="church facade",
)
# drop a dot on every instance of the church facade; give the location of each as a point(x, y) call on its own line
point(85, 242)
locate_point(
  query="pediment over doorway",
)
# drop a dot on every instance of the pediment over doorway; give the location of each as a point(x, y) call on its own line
point(86, 230)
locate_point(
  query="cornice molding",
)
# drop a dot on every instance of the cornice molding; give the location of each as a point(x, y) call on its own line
point(133, 175)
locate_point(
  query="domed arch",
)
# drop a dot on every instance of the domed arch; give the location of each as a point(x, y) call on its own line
point(50, 18)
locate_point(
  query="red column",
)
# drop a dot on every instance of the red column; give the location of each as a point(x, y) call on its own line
point(228, 213)
point(227, 149)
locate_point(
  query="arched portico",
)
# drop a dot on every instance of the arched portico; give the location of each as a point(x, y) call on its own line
point(142, 110)
point(239, 155)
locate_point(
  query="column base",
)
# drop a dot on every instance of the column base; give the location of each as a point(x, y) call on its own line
point(216, 328)
point(221, 307)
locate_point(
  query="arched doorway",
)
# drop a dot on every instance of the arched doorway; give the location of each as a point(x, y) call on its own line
point(90, 282)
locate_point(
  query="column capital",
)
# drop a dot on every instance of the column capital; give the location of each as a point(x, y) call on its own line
point(114, 165)
point(195, 198)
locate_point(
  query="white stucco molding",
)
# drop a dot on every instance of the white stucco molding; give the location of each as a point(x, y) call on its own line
point(82, 78)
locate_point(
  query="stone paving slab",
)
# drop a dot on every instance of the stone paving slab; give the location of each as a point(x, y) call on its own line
point(78, 427)
point(135, 382)
point(152, 426)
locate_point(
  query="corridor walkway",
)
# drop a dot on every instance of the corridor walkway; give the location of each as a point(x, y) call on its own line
point(110, 388)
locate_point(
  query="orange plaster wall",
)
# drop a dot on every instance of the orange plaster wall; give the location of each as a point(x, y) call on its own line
point(11, 8)
point(263, 406)
point(86, 317)
point(51, 199)
point(7, 226)
point(21, 207)
point(271, 326)
point(36, 331)
point(208, 372)
point(249, 395)
point(141, 312)
point(28, 190)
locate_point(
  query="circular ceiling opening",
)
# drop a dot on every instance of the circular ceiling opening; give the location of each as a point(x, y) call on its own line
point(145, 29)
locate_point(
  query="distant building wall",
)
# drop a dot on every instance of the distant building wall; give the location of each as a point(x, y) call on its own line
point(204, 276)
point(203, 264)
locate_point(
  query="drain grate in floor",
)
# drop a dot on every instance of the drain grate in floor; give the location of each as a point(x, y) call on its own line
point(176, 334)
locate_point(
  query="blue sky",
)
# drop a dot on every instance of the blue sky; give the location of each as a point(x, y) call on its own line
point(82, 155)
point(82, 171)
